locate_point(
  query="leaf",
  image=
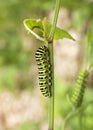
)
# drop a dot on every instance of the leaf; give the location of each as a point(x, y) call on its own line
point(31, 25)
point(45, 26)
point(59, 33)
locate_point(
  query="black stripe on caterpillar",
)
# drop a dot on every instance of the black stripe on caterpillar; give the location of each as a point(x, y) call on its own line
point(44, 68)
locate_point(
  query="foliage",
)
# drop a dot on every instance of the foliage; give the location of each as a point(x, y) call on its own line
point(63, 106)
point(15, 60)
point(44, 26)
point(49, 34)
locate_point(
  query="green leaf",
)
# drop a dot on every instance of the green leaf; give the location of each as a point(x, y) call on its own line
point(31, 25)
point(44, 26)
point(59, 33)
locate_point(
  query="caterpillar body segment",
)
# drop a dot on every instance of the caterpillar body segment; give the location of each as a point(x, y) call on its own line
point(44, 70)
point(78, 94)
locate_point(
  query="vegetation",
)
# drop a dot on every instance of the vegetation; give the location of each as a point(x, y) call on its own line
point(16, 62)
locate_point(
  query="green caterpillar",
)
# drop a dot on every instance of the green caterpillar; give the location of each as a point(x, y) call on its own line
point(44, 68)
point(78, 94)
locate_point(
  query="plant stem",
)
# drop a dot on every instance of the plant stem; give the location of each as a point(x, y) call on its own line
point(51, 55)
point(55, 19)
point(68, 117)
point(80, 120)
point(51, 99)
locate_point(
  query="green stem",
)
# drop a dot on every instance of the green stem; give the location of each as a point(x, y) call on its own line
point(68, 117)
point(51, 55)
point(51, 99)
point(80, 120)
point(55, 19)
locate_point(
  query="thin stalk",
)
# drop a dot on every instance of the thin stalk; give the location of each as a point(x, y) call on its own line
point(55, 19)
point(66, 119)
point(51, 99)
point(51, 54)
point(80, 120)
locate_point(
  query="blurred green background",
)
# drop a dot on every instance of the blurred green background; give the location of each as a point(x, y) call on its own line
point(18, 68)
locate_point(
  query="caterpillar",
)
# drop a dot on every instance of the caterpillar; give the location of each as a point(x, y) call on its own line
point(78, 94)
point(44, 70)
